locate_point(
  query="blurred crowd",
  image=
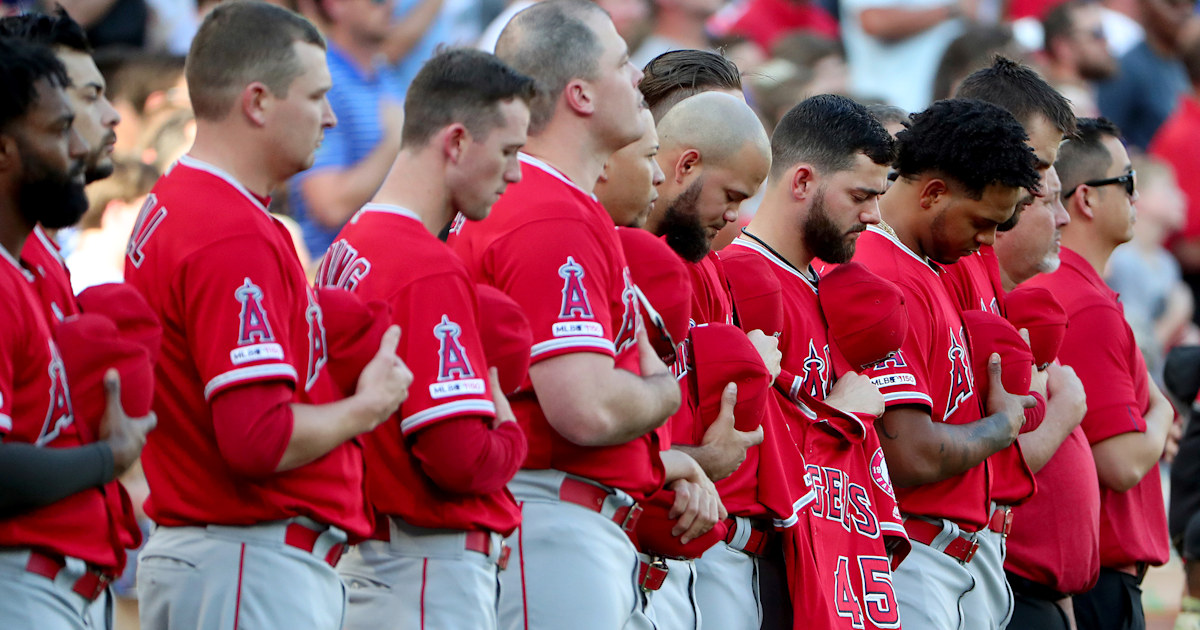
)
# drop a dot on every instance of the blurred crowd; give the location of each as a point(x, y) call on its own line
point(1136, 62)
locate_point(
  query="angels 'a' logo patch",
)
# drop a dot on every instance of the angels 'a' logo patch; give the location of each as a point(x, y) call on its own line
point(253, 326)
point(318, 350)
point(961, 381)
point(452, 357)
point(630, 316)
point(59, 414)
point(574, 296)
point(879, 473)
point(816, 371)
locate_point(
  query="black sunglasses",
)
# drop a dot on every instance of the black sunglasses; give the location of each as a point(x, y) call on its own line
point(1128, 180)
point(663, 344)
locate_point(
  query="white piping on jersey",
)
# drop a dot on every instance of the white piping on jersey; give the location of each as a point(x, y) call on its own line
point(572, 342)
point(887, 398)
point(201, 165)
point(6, 422)
point(390, 209)
point(894, 528)
point(773, 259)
point(248, 373)
point(9, 257)
point(925, 262)
point(534, 162)
point(50, 246)
point(797, 507)
point(422, 418)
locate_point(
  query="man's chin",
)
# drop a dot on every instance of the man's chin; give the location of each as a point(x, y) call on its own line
point(98, 171)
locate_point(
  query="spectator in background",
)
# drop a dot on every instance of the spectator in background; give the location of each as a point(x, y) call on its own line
point(969, 52)
point(678, 24)
point(356, 154)
point(826, 58)
point(894, 46)
point(1151, 77)
point(1076, 53)
point(765, 21)
point(1175, 143)
point(142, 87)
point(113, 206)
point(1158, 305)
point(111, 22)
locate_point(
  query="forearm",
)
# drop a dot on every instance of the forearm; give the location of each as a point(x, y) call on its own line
point(892, 24)
point(929, 452)
point(1039, 445)
point(679, 465)
point(410, 29)
point(333, 197)
point(466, 456)
point(31, 476)
point(707, 458)
point(635, 405)
point(318, 429)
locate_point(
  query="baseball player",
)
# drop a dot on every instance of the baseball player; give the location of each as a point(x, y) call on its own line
point(975, 282)
point(598, 389)
point(255, 479)
point(1127, 416)
point(829, 166)
point(628, 186)
point(680, 74)
point(96, 120)
point(59, 544)
point(936, 433)
point(436, 472)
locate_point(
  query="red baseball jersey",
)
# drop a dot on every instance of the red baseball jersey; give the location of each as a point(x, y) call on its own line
point(1133, 524)
point(35, 408)
point(553, 248)
point(1055, 538)
point(932, 370)
point(854, 514)
point(974, 282)
point(385, 253)
point(223, 277)
point(52, 283)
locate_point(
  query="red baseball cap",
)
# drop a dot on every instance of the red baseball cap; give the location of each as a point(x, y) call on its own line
point(90, 344)
point(126, 307)
point(1037, 310)
point(654, 530)
point(757, 294)
point(662, 277)
point(353, 330)
point(722, 354)
point(990, 333)
point(866, 316)
point(506, 335)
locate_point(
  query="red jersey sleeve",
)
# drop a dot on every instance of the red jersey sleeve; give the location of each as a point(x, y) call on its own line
point(237, 315)
point(440, 344)
point(1106, 372)
point(904, 379)
point(10, 348)
point(562, 283)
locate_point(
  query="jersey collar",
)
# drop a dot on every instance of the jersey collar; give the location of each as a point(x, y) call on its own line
point(536, 163)
point(391, 209)
point(925, 262)
point(200, 165)
point(9, 257)
point(777, 261)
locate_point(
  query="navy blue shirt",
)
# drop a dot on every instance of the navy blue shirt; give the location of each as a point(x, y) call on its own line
point(355, 98)
point(1143, 94)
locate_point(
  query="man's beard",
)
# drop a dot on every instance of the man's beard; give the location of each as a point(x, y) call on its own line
point(681, 225)
point(822, 237)
point(56, 200)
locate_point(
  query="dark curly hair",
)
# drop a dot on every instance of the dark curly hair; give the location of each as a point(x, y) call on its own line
point(57, 29)
point(828, 131)
point(22, 65)
point(974, 143)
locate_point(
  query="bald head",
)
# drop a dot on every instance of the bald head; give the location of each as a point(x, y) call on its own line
point(718, 125)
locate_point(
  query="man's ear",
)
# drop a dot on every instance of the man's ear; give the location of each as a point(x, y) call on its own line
point(803, 182)
point(687, 164)
point(10, 154)
point(454, 140)
point(933, 192)
point(579, 98)
point(1081, 205)
point(256, 103)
